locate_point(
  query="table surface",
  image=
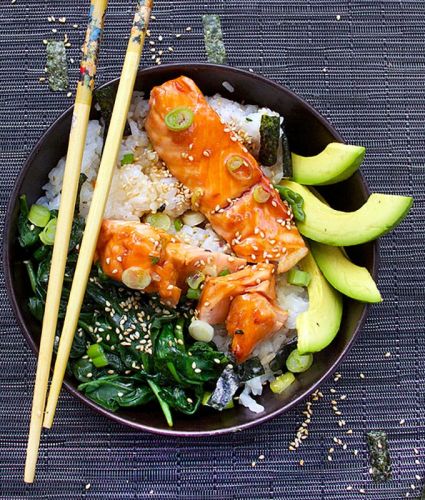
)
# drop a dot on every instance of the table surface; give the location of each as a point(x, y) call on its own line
point(361, 64)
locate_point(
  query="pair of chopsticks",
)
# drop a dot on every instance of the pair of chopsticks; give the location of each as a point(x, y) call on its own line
point(76, 145)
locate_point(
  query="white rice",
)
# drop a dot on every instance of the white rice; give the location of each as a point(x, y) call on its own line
point(145, 186)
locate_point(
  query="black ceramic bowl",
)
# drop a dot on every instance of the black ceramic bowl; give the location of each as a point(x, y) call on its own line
point(308, 134)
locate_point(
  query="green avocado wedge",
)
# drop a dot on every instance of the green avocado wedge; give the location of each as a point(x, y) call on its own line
point(335, 163)
point(318, 326)
point(380, 214)
point(349, 279)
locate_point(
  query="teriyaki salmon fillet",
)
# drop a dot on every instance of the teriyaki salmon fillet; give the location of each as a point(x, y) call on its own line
point(228, 184)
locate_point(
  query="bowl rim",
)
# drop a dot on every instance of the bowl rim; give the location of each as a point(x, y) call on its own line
point(8, 258)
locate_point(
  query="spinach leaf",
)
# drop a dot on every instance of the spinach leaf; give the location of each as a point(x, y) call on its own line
point(36, 307)
point(83, 367)
point(79, 344)
point(181, 400)
point(114, 391)
point(27, 232)
point(249, 369)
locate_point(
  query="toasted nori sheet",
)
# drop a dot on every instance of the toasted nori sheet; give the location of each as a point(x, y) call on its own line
point(269, 142)
point(286, 155)
point(379, 456)
point(105, 98)
point(57, 66)
point(226, 387)
point(213, 37)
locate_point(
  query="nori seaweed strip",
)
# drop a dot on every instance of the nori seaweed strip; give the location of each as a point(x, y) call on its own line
point(226, 387)
point(269, 142)
point(379, 456)
point(286, 155)
point(57, 67)
point(213, 37)
point(105, 98)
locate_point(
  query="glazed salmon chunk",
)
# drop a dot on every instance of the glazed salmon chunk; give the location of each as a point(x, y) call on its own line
point(149, 259)
point(246, 302)
point(228, 185)
point(203, 155)
point(259, 228)
point(217, 294)
point(252, 318)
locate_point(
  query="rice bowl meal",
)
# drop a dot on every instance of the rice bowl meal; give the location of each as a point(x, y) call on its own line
point(218, 272)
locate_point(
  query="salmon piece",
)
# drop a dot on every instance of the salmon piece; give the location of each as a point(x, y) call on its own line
point(122, 245)
point(218, 293)
point(197, 156)
point(252, 318)
point(261, 232)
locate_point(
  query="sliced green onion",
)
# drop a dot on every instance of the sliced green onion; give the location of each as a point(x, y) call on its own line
point(39, 215)
point(127, 159)
point(279, 384)
point(201, 330)
point(298, 278)
point(193, 219)
point(195, 279)
point(97, 355)
point(298, 363)
point(47, 236)
point(193, 294)
point(154, 259)
point(234, 163)
point(238, 167)
point(178, 224)
point(179, 119)
point(136, 278)
point(225, 272)
point(295, 200)
point(260, 194)
point(159, 220)
point(206, 398)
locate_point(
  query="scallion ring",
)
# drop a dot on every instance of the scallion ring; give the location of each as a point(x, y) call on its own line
point(136, 278)
point(260, 194)
point(179, 119)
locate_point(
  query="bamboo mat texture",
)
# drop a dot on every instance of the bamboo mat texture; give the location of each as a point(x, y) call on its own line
point(359, 62)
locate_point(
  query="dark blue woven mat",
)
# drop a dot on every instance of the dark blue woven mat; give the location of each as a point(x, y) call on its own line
point(362, 64)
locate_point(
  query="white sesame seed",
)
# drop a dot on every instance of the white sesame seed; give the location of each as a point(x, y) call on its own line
point(418, 477)
point(402, 421)
point(349, 488)
point(88, 486)
point(362, 491)
point(362, 375)
point(338, 17)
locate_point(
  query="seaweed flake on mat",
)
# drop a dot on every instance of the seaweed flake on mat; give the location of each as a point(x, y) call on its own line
point(57, 66)
point(213, 37)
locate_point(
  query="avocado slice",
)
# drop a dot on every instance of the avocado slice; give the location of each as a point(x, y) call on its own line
point(380, 214)
point(335, 163)
point(349, 279)
point(318, 325)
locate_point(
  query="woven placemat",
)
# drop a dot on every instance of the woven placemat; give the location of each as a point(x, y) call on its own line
point(361, 63)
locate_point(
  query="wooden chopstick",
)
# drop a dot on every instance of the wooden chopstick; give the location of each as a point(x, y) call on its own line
point(98, 203)
point(77, 139)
